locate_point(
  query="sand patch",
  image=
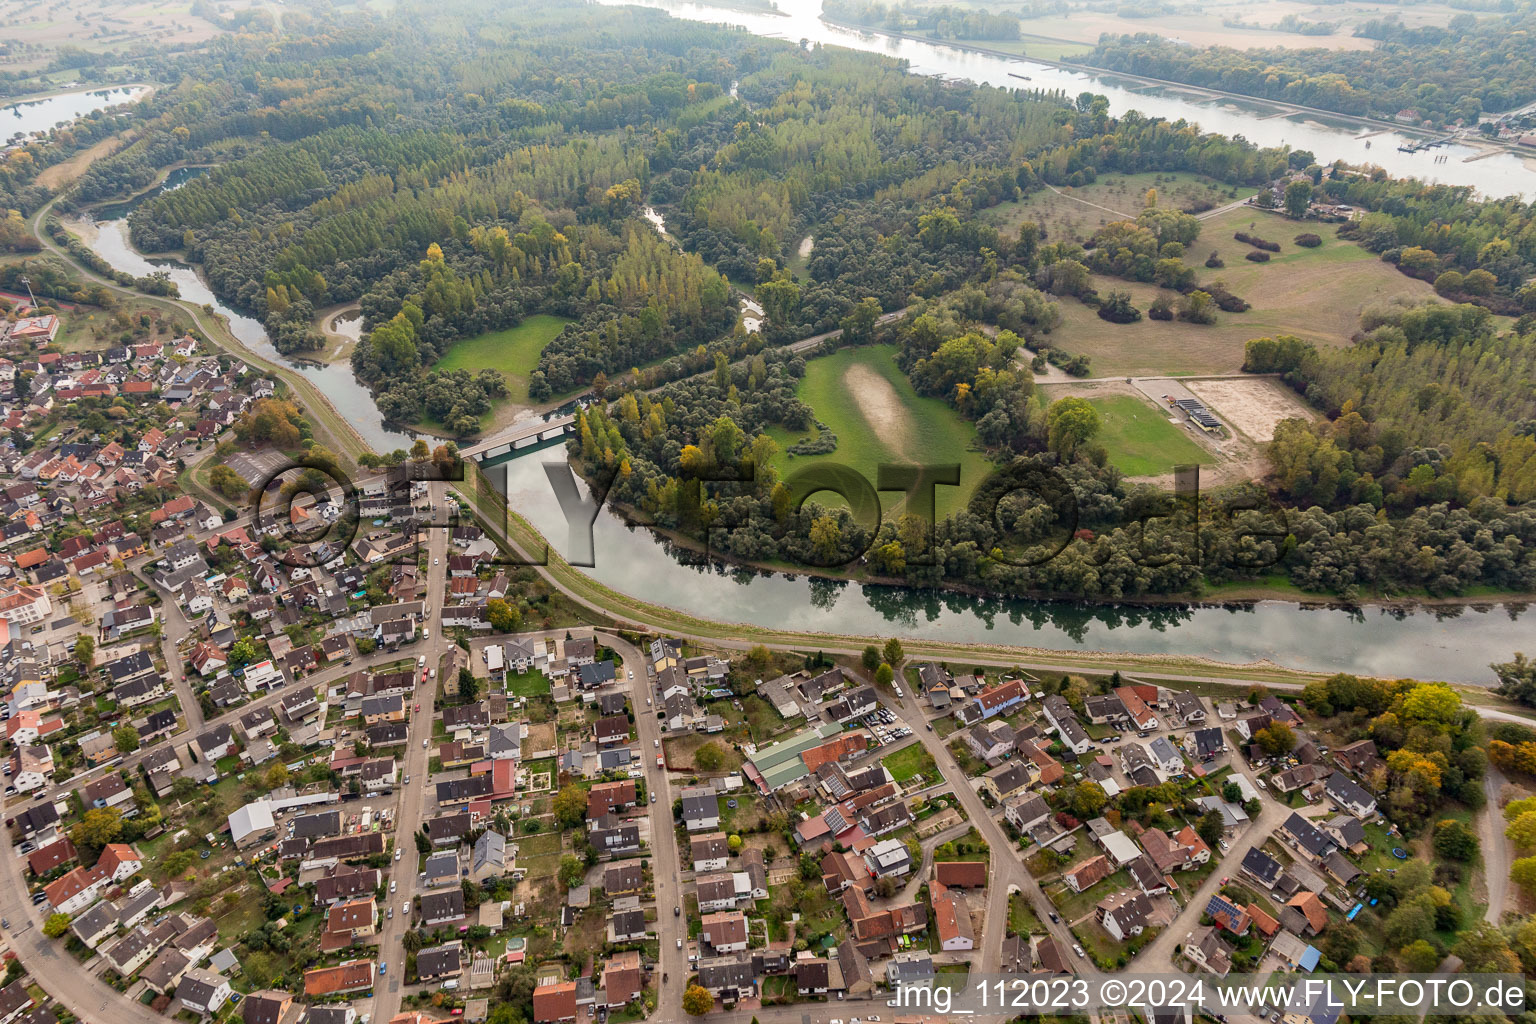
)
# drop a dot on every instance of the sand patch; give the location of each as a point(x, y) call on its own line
point(879, 404)
point(1255, 407)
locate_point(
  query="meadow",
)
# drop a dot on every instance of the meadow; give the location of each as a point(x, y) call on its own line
point(1078, 212)
point(865, 399)
point(514, 352)
point(1140, 439)
point(1314, 294)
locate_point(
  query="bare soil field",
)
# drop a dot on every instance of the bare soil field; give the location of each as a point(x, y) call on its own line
point(1252, 405)
point(878, 403)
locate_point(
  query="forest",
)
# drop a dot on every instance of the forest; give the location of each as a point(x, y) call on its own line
point(1474, 65)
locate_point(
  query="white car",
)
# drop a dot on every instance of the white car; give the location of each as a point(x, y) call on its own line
point(391, 886)
point(679, 943)
point(437, 561)
point(655, 743)
point(405, 908)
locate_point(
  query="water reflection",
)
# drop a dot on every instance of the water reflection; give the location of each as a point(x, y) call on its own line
point(1453, 642)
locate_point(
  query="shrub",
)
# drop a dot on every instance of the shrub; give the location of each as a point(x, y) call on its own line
point(1258, 257)
point(1117, 309)
point(1214, 261)
point(1228, 302)
point(1257, 242)
point(1161, 308)
point(1308, 240)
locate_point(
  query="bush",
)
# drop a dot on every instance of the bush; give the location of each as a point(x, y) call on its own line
point(1258, 257)
point(1117, 309)
point(1214, 261)
point(1308, 240)
point(1257, 242)
point(1161, 308)
point(1228, 302)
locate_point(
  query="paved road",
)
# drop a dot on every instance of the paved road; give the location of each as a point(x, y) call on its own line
point(409, 810)
point(667, 861)
point(1157, 955)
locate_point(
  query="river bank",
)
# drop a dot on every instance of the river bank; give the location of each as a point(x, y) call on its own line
point(1240, 594)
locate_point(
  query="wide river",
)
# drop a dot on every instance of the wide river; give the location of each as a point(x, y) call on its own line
point(1454, 644)
point(1329, 137)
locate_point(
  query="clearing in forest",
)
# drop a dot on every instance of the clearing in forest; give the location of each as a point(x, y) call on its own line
point(864, 398)
point(514, 352)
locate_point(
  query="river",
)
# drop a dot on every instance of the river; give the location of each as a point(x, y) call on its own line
point(1454, 644)
point(335, 380)
point(24, 117)
point(1329, 137)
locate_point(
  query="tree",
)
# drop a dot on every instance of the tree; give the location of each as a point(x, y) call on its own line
point(893, 652)
point(570, 806)
point(99, 826)
point(126, 739)
point(276, 775)
point(1419, 956)
point(1433, 703)
point(1276, 738)
point(1298, 196)
point(242, 652)
point(884, 674)
point(1231, 792)
point(469, 684)
point(502, 616)
point(1209, 827)
point(697, 1001)
point(572, 870)
point(56, 925)
point(885, 887)
point(1088, 799)
point(1522, 831)
point(1517, 679)
point(735, 843)
point(1071, 422)
point(709, 757)
point(1523, 873)
point(871, 657)
point(1455, 841)
point(85, 650)
point(858, 326)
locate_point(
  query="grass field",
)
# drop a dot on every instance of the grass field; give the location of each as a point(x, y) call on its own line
point(865, 399)
point(1315, 294)
point(1141, 441)
point(514, 352)
point(910, 760)
point(1078, 212)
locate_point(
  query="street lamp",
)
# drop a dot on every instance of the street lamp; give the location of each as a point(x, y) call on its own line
point(28, 282)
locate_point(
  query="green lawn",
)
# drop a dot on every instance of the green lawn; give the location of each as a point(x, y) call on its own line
point(1140, 439)
point(922, 431)
point(528, 684)
point(514, 351)
point(911, 760)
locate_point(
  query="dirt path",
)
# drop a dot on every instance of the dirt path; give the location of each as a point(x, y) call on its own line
point(879, 404)
point(1496, 855)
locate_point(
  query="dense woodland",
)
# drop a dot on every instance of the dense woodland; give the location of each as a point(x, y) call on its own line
point(454, 182)
point(1477, 63)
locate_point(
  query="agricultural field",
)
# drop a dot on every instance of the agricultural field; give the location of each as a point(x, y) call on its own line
point(36, 31)
point(1141, 440)
point(513, 352)
point(1314, 294)
point(1241, 24)
point(865, 399)
point(1078, 212)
